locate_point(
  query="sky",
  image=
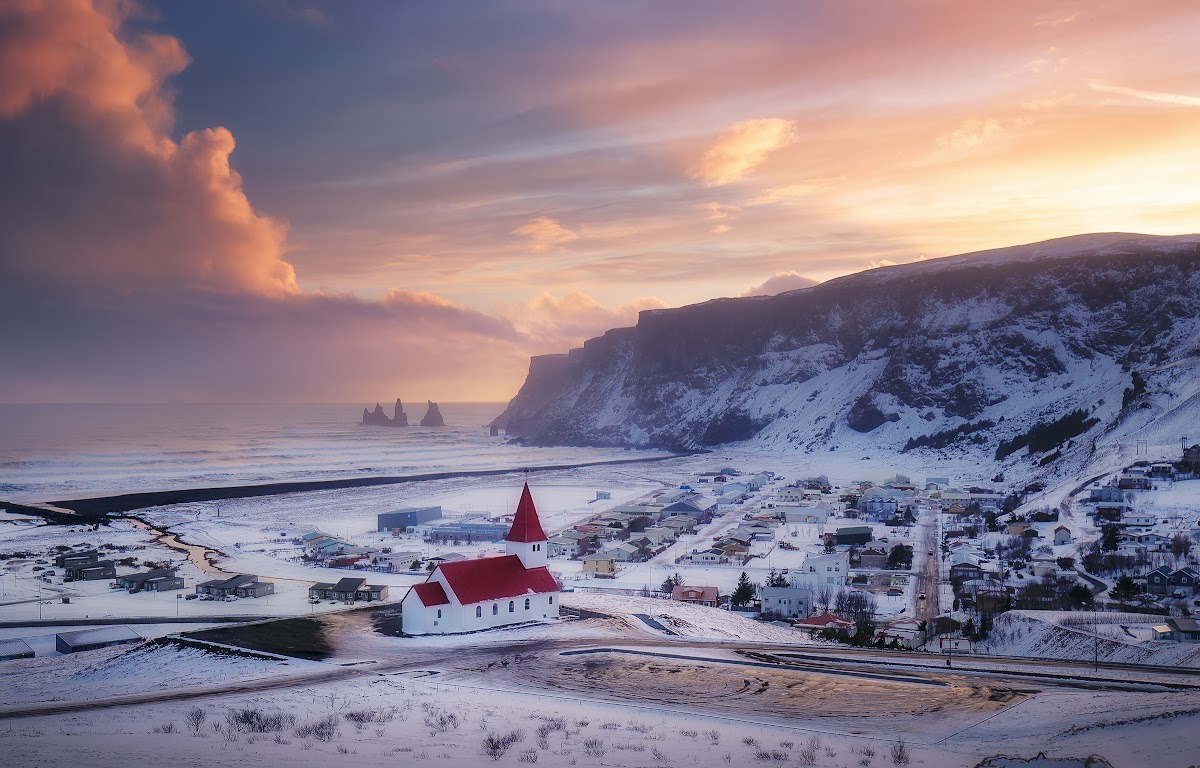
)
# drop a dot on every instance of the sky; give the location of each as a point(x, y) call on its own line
point(276, 200)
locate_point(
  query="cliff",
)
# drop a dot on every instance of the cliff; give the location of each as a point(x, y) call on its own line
point(984, 346)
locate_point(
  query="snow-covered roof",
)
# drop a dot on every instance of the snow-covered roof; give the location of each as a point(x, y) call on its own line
point(98, 635)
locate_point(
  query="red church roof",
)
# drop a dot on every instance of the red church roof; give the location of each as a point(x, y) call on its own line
point(495, 578)
point(526, 527)
point(431, 594)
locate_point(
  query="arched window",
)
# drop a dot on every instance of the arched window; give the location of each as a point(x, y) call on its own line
point(439, 613)
point(479, 611)
point(527, 603)
point(495, 608)
point(551, 599)
point(511, 606)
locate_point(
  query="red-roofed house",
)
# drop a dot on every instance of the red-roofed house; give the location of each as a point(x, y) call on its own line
point(469, 595)
point(696, 595)
point(825, 621)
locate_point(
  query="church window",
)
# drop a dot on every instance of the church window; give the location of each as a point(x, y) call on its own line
point(478, 611)
point(495, 608)
point(551, 599)
point(527, 603)
point(439, 613)
point(512, 606)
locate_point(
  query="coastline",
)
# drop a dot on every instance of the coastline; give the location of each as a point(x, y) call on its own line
point(97, 507)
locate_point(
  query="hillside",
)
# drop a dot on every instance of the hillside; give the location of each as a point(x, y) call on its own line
point(957, 355)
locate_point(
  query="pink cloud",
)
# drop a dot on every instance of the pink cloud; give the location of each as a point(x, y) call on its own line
point(780, 283)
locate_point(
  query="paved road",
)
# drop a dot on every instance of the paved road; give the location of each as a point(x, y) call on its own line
point(927, 566)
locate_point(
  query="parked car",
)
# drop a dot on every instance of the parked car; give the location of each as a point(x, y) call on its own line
point(921, 596)
point(190, 597)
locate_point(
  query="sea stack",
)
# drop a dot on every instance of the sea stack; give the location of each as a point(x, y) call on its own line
point(433, 417)
point(376, 417)
point(495, 431)
point(401, 419)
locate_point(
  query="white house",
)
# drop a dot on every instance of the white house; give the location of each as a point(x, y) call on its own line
point(1062, 535)
point(469, 595)
point(822, 571)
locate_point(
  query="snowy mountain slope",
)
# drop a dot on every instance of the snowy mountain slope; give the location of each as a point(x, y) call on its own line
point(989, 343)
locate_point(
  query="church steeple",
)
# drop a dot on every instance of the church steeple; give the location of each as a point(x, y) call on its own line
point(526, 539)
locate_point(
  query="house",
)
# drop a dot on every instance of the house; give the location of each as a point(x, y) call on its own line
point(603, 495)
point(855, 534)
point(1106, 493)
point(1147, 540)
point(85, 566)
point(469, 531)
point(1018, 529)
point(815, 514)
point(601, 565)
point(1186, 579)
point(825, 622)
point(401, 520)
point(680, 524)
point(905, 633)
point(349, 590)
point(560, 546)
point(241, 585)
point(1043, 566)
point(707, 557)
point(819, 571)
point(1062, 535)
point(1139, 521)
point(965, 571)
point(1184, 630)
point(623, 552)
point(659, 535)
point(1159, 580)
point(792, 602)
point(1132, 482)
point(399, 561)
point(91, 639)
point(696, 595)
point(482, 593)
point(16, 648)
point(872, 558)
point(693, 508)
point(157, 580)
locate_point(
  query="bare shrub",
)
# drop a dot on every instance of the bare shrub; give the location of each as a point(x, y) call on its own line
point(279, 739)
point(627, 746)
point(165, 728)
point(713, 736)
point(750, 741)
point(543, 744)
point(364, 716)
point(528, 756)
point(693, 734)
point(867, 752)
point(762, 754)
point(194, 718)
point(593, 747)
point(659, 755)
point(639, 727)
point(582, 723)
point(324, 729)
point(610, 726)
point(900, 755)
point(495, 744)
point(787, 744)
point(807, 756)
point(441, 722)
point(552, 725)
point(814, 742)
point(257, 721)
point(344, 750)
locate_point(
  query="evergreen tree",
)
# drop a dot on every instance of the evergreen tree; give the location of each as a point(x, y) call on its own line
point(744, 592)
point(776, 579)
point(1110, 535)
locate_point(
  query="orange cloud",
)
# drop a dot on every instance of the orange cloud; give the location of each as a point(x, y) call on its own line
point(147, 213)
point(742, 149)
point(546, 233)
point(1159, 96)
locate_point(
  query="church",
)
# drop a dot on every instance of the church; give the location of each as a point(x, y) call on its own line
point(469, 595)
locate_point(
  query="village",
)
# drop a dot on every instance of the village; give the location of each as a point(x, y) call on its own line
point(898, 563)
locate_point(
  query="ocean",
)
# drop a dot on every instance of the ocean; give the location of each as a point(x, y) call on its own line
point(59, 452)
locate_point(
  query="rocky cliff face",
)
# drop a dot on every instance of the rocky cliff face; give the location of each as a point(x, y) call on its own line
point(983, 345)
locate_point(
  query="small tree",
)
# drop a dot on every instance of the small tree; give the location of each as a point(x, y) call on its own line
point(1079, 597)
point(1181, 545)
point(776, 579)
point(195, 718)
point(671, 582)
point(416, 564)
point(1124, 590)
point(744, 592)
point(1110, 537)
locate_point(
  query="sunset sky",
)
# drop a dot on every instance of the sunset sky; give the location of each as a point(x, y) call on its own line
point(271, 200)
